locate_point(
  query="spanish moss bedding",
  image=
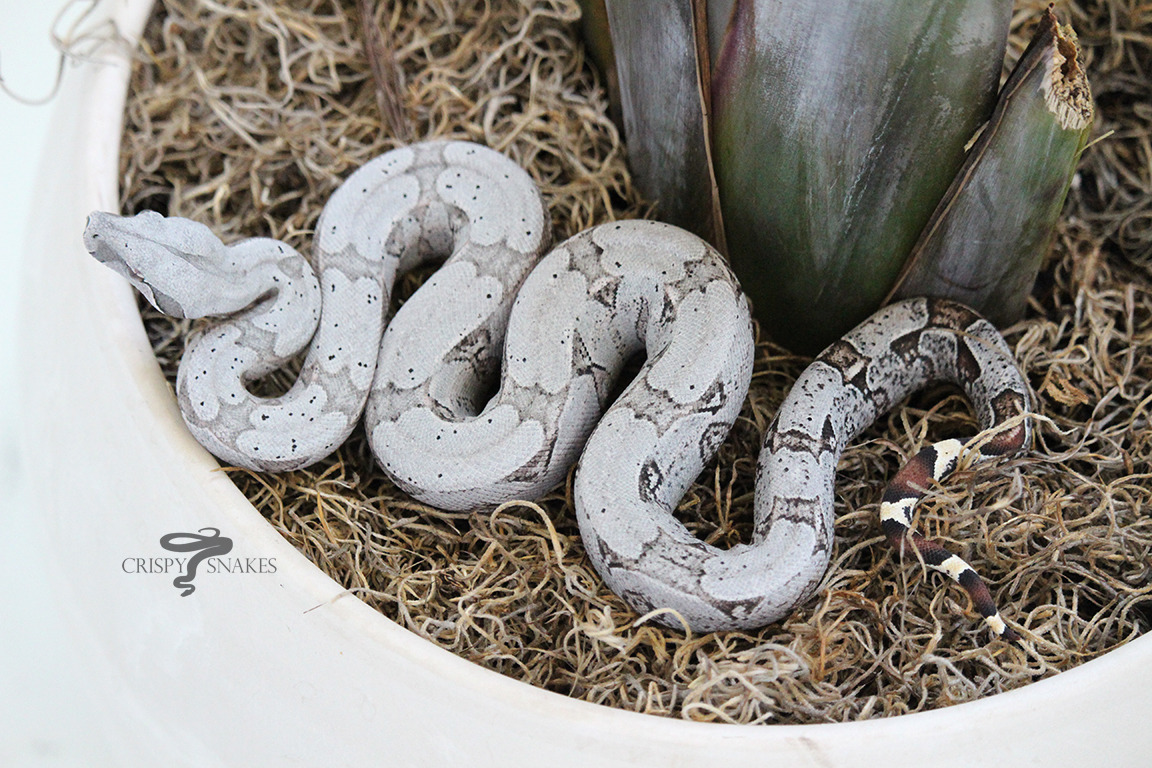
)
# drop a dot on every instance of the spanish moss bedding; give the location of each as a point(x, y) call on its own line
point(246, 115)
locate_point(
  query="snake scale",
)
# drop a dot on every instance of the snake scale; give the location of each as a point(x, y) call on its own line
point(555, 328)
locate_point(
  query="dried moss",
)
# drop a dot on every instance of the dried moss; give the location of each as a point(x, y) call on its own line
point(246, 116)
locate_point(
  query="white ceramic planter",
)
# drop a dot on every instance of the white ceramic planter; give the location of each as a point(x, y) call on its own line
point(280, 669)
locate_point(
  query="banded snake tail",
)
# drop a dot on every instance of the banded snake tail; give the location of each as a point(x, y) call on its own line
point(556, 329)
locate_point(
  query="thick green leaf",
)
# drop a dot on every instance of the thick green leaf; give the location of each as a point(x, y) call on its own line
point(838, 127)
point(719, 14)
point(986, 240)
point(660, 64)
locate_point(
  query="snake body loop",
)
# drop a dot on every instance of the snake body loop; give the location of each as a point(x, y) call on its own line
point(555, 333)
point(649, 557)
point(414, 205)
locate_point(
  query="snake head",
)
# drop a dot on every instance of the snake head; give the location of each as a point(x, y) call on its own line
point(167, 259)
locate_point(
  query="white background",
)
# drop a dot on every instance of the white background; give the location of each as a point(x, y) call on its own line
point(42, 696)
point(28, 66)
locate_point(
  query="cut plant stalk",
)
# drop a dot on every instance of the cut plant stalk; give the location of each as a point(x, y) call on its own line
point(382, 60)
point(598, 41)
point(987, 238)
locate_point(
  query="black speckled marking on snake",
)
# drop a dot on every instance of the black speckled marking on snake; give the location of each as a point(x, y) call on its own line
point(568, 324)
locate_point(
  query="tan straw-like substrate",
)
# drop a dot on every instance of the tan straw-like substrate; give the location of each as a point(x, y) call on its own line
point(246, 116)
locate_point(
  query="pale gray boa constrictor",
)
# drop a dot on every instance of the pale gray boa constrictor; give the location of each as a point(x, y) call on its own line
point(568, 322)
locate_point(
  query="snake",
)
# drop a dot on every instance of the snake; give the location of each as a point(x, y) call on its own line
point(500, 374)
